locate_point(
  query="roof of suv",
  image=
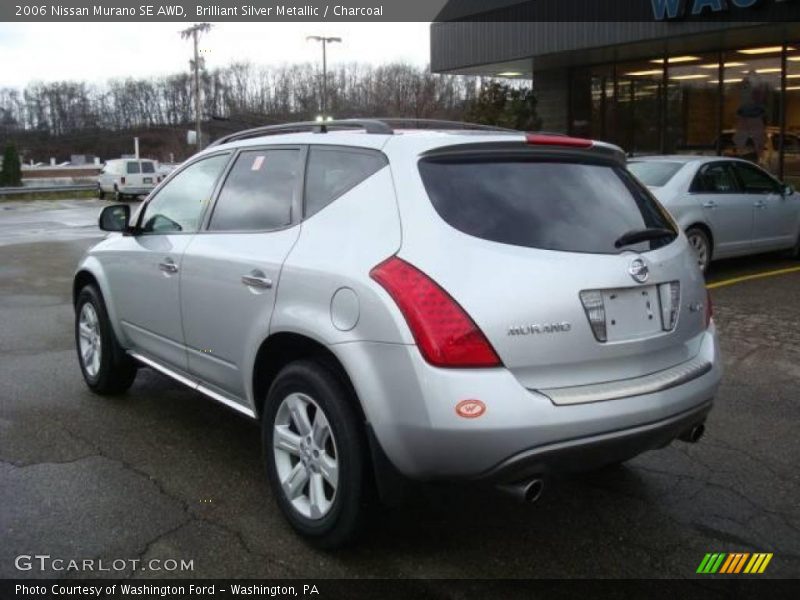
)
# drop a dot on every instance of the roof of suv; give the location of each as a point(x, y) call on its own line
point(414, 135)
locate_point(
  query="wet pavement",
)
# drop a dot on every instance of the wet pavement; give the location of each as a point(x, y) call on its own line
point(164, 473)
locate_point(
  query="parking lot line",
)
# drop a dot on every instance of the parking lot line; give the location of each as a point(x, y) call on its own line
point(734, 280)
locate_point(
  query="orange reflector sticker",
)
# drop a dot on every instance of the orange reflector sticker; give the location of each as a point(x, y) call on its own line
point(470, 409)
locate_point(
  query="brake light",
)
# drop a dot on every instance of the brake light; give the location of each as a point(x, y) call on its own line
point(709, 309)
point(444, 332)
point(122, 180)
point(544, 139)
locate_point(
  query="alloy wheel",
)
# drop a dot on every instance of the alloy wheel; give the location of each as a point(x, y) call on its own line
point(700, 247)
point(305, 456)
point(89, 340)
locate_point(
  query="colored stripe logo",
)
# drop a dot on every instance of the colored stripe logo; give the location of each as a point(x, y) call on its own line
point(734, 563)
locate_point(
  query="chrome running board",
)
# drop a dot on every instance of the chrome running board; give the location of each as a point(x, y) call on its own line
point(193, 385)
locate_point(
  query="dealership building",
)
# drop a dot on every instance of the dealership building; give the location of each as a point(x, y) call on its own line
point(672, 83)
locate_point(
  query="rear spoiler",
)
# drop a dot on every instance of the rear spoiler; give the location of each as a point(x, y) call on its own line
point(549, 146)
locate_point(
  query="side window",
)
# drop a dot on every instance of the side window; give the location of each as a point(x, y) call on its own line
point(333, 171)
point(754, 180)
point(258, 193)
point(132, 167)
point(715, 178)
point(180, 203)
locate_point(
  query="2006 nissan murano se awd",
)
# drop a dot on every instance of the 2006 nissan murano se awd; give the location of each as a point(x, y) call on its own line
point(448, 303)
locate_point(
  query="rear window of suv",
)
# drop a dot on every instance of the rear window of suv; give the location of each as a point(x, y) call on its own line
point(550, 205)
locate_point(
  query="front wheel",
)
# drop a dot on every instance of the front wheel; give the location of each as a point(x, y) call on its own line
point(106, 368)
point(314, 453)
point(701, 245)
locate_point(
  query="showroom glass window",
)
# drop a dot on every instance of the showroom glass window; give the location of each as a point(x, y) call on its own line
point(692, 103)
point(751, 106)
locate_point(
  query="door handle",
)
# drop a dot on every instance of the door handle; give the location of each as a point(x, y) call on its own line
point(257, 279)
point(168, 266)
point(710, 204)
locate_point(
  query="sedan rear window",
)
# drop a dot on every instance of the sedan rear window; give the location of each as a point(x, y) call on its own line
point(549, 205)
point(654, 173)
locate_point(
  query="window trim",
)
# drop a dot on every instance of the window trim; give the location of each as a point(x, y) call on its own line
point(297, 197)
point(336, 148)
point(748, 165)
point(724, 163)
point(157, 190)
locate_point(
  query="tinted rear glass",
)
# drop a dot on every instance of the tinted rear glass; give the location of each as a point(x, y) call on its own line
point(148, 167)
point(655, 173)
point(549, 205)
point(132, 168)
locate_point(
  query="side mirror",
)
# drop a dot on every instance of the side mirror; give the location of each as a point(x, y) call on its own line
point(788, 189)
point(115, 218)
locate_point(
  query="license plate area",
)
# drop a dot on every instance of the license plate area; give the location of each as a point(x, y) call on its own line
point(632, 313)
point(148, 180)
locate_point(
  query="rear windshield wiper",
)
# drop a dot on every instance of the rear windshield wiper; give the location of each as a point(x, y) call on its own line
point(642, 235)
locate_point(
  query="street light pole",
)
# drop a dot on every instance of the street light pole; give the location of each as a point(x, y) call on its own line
point(325, 41)
point(193, 32)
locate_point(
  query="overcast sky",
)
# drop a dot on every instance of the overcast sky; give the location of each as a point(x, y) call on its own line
point(95, 52)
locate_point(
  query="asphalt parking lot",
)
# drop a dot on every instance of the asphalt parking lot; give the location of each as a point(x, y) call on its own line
point(163, 472)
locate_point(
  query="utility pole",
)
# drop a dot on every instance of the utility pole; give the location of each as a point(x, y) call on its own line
point(325, 41)
point(193, 32)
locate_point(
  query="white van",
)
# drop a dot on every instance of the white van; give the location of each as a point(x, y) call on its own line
point(125, 177)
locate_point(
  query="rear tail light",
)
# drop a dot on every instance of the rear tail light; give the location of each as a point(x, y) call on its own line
point(444, 332)
point(122, 180)
point(595, 310)
point(709, 309)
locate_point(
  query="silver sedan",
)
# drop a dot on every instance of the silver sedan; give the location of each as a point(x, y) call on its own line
point(727, 207)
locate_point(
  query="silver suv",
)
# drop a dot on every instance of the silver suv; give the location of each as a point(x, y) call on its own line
point(408, 304)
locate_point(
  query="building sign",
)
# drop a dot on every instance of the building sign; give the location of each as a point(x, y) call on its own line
point(676, 9)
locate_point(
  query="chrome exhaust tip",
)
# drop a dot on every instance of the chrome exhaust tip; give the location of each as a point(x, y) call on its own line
point(693, 435)
point(527, 491)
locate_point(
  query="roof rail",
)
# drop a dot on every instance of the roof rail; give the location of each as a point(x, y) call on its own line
point(414, 123)
point(369, 125)
point(381, 126)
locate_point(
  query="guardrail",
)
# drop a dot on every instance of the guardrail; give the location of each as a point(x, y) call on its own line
point(81, 187)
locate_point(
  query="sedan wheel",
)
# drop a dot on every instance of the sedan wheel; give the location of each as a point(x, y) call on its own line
point(305, 456)
point(701, 246)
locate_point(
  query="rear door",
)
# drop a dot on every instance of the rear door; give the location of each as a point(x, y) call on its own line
point(148, 173)
point(231, 270)
point(531, 246)
point(774, 215)
point(726, 208)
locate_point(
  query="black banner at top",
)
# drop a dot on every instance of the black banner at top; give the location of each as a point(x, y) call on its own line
point(399, 10)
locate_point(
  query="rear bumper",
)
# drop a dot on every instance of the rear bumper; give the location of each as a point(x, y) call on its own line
point(410, 406)
point(595, 451)
point(136, 191)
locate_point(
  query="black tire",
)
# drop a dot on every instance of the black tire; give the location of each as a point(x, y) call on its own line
point(100, 193)
point(348, 506)
point(118, 197)
point(116, 370)
point(697, 235)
